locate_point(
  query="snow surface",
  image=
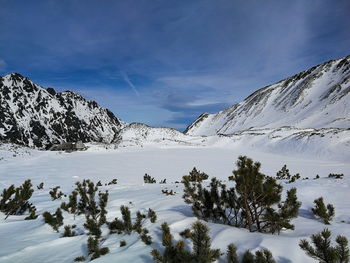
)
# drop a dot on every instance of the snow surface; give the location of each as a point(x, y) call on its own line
point(33, 241)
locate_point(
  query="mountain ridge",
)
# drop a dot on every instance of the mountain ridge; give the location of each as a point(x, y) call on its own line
point(33, 116)
point(285, 98)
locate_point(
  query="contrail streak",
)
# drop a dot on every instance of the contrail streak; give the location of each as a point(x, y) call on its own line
point(131, 85)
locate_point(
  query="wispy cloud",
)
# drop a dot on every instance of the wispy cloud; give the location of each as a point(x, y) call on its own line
point(128, 81)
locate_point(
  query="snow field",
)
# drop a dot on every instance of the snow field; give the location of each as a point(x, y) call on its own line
point(33, 241)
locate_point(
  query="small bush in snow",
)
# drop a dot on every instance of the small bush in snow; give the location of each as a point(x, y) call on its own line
point(79, 259)
point(325, 213)
point(284, 174)
point(167, 192)
point(294, 178)
point(264, 256)
point(148, 179)
point(40, 186)
point(336, 176)
point(54, 220)
point(250, 204)
point(176, 252)
point(87, 203)
point(163, 181)
point(195, 176)
point(261, 256)
point(94, 249)
point(72, 205)
point(248, 257)
point(56, 193)
point(152, 215)
point(231, 254)
point(114, 181)
point(32, 214)
point(93, 226)
point(323, 251)
point(68, 231)
point(15, 200)
point(147, 239)
point(125, 224)
point(122, 243)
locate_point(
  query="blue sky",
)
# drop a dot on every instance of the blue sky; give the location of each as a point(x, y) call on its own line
point(165, 62)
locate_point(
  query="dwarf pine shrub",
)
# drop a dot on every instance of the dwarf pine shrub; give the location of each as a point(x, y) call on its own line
point(231, 254)
point(15, 200)
point(86, 199)
point(325, 213)
point(176, 252)
point(163, 181)
point(122, 243)
point(254, 203)
point(148, 179)
point(322, 250)
point(40, 186)
point(72, 205)
point(336, 176)
point(79, 259)
point(195, 176)
point(125, 224)
point(114, 181)
point(264, 256)
point(122, 225)
point(167, 192)
point(152, 215)
point(55, 193)
point(147, 239)
point(284, 174)
point(94, 249)
point(92, 226)
point(32, 214)
point(261, 256)
point(54, 220)
point(68, 231)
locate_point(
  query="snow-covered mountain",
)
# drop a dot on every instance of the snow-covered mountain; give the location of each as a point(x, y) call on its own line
point(315, 98)
point(139, 134)
point(37, 117)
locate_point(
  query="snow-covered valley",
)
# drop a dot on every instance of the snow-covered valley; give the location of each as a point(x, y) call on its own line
point(301, 122)
point(34, 241)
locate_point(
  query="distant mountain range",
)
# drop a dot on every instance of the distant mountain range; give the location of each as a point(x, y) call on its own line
point(308, 110)
point(315, 98)
point(37, 117)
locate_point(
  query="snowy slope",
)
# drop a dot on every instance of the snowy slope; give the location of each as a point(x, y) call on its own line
point(34, 241)
point(316, 98)
point(33, 116)
point(138, 134)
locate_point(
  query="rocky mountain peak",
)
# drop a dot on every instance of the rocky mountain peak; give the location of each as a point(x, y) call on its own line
point(34, 116)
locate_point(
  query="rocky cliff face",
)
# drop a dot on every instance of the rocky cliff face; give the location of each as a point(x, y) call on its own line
point(315, 98)
point(33, 116)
